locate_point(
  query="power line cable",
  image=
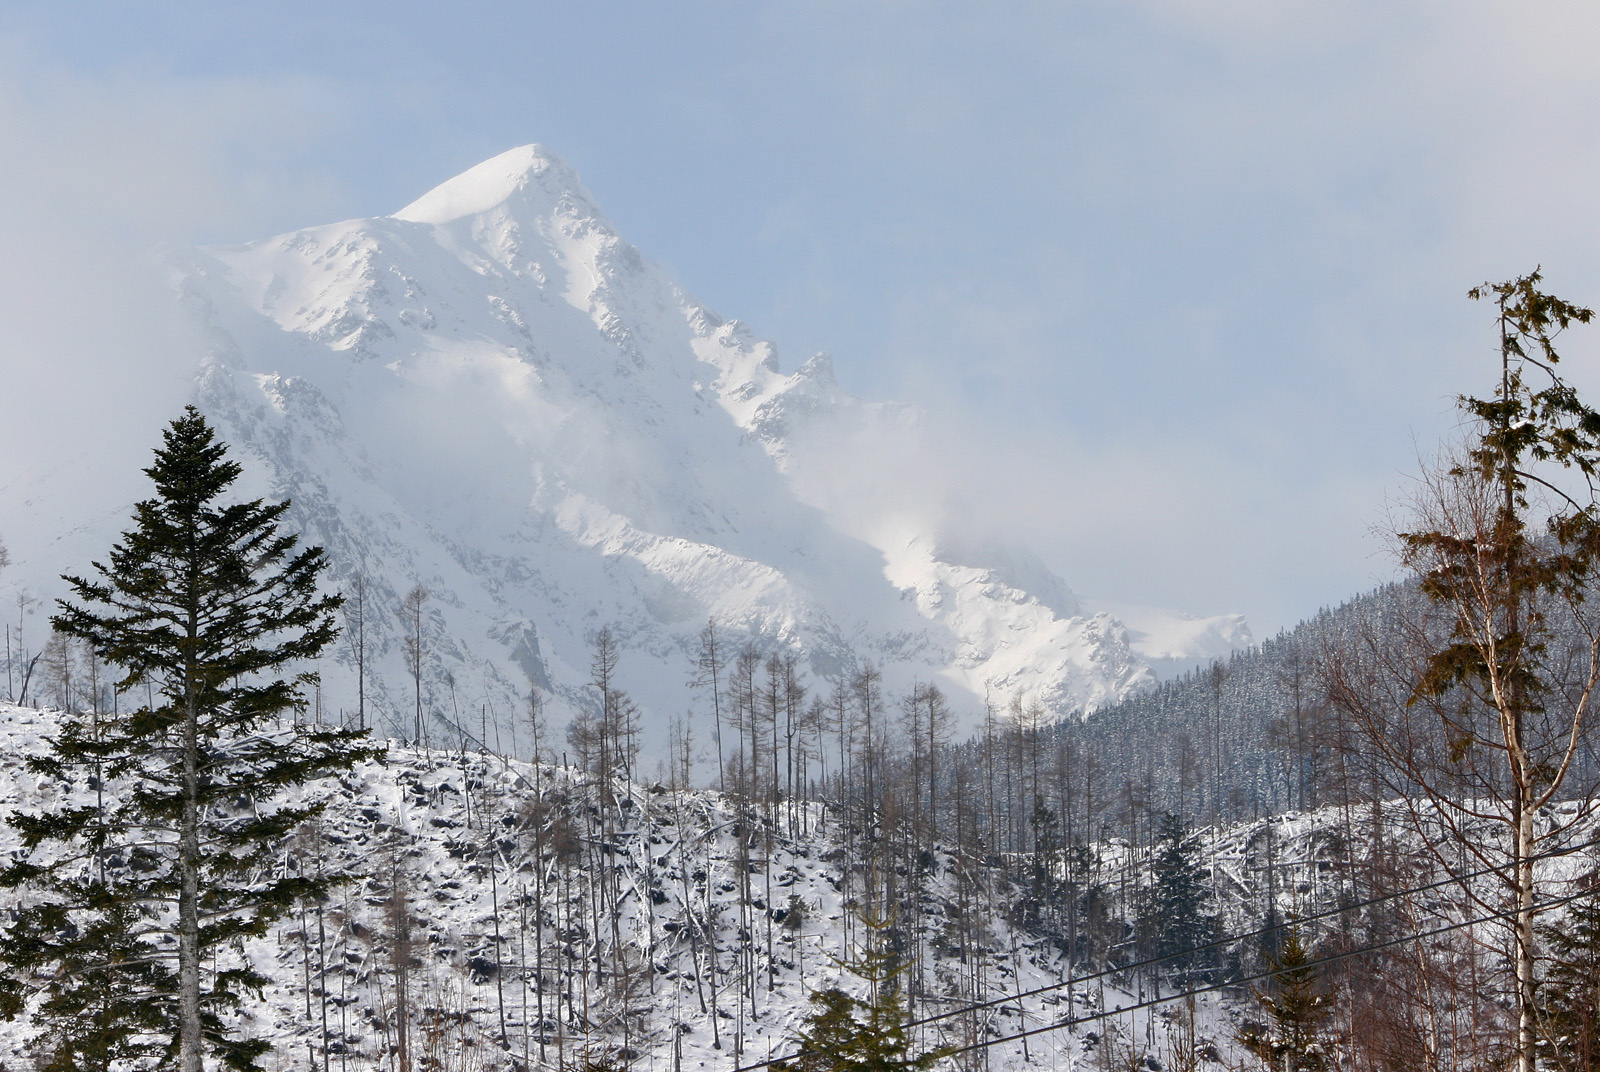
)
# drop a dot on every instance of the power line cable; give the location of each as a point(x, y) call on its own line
point(1151, 962)
point(1231, 939)
point(1319, 962)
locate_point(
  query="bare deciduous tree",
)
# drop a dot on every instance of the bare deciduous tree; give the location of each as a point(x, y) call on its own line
point(411, 618)
point(355, 614)
point(1478, 714)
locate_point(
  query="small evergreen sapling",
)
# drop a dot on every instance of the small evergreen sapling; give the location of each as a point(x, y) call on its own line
point(844, 1033)
point(130, 906)
point(1569, 993)
point(1297, 1005)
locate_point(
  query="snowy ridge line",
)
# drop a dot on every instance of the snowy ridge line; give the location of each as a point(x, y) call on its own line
point(493, 395)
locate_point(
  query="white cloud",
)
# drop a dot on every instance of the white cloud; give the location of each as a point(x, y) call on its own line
point(1196, 272)
point(95, 356)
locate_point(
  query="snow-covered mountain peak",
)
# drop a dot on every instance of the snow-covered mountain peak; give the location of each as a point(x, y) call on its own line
point(492, 394)
point(526, 180)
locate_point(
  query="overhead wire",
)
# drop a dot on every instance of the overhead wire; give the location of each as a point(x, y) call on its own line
point(1226, 941)
point(1242, 937)
point(1229, 984)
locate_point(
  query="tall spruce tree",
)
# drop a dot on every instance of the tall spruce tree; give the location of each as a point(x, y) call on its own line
point(132, 904)
point(1176, 924)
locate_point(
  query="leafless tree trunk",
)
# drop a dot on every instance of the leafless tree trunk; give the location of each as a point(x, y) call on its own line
point(400, 959)
point(189, 1038)
point(411, 616)
point(710, 673)
point(355, 610)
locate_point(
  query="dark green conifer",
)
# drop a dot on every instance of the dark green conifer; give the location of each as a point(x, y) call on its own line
point(1297, 1006)
point(104, 999)
point(845, 1033)
point(1569, 993)
point(129, 904)
point(1176, 925)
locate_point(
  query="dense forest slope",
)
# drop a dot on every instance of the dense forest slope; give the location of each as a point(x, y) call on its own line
point(1247, 736)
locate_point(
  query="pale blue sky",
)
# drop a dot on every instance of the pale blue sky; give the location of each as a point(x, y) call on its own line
point(1184, 279)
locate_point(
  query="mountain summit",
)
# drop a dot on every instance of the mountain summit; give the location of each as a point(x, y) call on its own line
point(528, 180)
point(493, 396)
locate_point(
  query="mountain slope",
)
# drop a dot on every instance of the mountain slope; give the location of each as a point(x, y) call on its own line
point(494, 396)
point(545, 914)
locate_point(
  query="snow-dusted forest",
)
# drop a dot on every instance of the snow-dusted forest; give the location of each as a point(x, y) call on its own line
point(496, 913)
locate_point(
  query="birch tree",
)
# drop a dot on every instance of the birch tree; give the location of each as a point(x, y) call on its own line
point(1479, 717)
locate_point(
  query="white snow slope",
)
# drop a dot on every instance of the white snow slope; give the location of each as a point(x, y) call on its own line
point(497, 864)
point(494, 396)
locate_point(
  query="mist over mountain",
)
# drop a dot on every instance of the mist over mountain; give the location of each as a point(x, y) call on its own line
point(492, 395)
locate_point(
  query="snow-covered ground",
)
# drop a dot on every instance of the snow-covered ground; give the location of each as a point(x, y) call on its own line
point(429, 825)
point(653, 915)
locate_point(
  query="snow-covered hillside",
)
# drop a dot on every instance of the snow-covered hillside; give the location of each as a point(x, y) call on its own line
point(492, 395)
point(539, 916)
point(678, 928)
